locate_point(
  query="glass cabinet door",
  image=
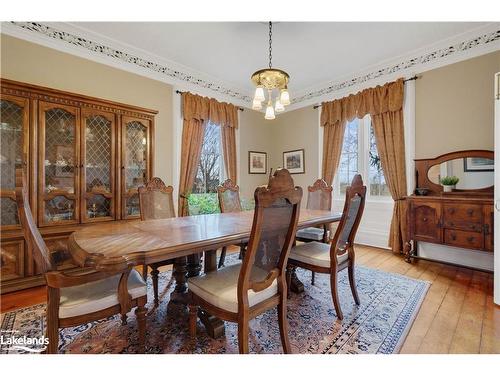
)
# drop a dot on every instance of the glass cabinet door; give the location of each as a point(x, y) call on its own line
point(98, 172)
point(59, 164)
point(13, 153)
point(135, 163)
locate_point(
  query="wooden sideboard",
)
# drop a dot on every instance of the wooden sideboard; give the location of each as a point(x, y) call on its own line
point(462, 218)
point(460, 221)
point(84, 158)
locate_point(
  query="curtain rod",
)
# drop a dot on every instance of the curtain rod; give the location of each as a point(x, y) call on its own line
point(406, 80)
point(182, 92)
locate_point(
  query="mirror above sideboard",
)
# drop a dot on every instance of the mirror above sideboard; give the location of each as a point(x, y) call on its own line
point(474, 170)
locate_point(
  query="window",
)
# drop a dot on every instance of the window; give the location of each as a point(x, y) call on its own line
point(360, 155)
point(203, 198)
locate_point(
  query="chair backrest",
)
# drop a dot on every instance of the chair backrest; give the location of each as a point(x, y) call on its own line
point(229, 196)
point(32, 235)
point(276, 215)
point(319, 196)
point(351, 216)
point(156, 200)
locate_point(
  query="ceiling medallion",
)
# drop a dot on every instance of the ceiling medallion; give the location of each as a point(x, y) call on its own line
point(271, 79)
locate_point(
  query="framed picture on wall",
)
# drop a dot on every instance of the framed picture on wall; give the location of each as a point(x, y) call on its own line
point(257, 162)
point(478, 165)
point(294, 161)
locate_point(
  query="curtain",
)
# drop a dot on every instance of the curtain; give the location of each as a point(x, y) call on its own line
point(197, 111)
point(192, 139)
point(333, 137)
point(385, 106)
point(229, 151)
point(389, 136)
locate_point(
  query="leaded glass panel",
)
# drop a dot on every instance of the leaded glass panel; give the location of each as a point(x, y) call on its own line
point(97, 153)
point(60, 158)
point(136, 155)
point(11, 142)
point(58, 209)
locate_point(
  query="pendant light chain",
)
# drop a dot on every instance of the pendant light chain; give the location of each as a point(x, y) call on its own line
point(271, 80)
point(270, 44)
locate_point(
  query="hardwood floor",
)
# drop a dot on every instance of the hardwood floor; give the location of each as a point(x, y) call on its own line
point(457, 316)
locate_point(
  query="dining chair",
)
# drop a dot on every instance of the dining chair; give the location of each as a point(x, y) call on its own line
point(333, 258)
point(156, 201)
point(319, 197)
point(240, 292)
point(83, 297)
point(229, 201)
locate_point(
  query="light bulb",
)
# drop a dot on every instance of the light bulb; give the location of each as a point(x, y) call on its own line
point(278, 107)
point(259, 94)
point(257, 105)
point(285, 97)
point(269, 112)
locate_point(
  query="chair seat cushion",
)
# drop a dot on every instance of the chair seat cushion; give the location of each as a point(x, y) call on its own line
point(311, 233)
point(98, 295)
point(315, 253)
point(219, 288)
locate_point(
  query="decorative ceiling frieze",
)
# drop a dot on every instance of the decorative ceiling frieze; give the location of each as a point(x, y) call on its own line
point(430, 57)
point(404, 65)
point(123, 56)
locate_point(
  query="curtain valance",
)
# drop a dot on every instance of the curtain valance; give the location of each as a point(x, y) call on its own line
point(372, 101)
point(196, 107)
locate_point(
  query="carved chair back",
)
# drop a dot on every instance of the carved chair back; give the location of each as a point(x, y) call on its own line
point(351, 216)
point(276, 214)
point(156, 200)
point(229, 196)
point(319, 196)
point(32, 235)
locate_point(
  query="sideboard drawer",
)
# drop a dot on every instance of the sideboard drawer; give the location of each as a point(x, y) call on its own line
point(460, 238)
point(456, 215)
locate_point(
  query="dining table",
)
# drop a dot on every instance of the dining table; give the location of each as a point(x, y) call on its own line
point(184, 239)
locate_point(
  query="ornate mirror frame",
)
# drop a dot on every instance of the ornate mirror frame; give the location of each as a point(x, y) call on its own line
point(422, 167)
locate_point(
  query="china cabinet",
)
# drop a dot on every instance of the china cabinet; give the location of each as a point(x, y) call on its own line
point(85, 159)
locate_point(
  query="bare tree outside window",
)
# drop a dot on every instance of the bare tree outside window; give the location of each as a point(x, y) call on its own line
point(209, 169)
point(203, 197)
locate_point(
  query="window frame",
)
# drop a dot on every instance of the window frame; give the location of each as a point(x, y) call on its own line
point(364, 126)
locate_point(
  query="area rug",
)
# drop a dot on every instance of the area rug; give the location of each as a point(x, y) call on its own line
point(389, 304)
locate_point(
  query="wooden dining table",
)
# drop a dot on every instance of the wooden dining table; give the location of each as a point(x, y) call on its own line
point(184, 239)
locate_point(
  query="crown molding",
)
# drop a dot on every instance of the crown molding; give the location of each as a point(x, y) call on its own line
point(84, 43)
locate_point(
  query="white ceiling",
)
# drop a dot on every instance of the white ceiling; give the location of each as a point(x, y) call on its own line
point(312, 53)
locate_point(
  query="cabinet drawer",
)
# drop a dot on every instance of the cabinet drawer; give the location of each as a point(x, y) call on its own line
point(12, 259)
point(456, 215)
point(460, 238)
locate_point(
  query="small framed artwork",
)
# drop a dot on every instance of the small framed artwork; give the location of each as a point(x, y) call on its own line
point(257, 162)
point(478, 165)
point(294, 161)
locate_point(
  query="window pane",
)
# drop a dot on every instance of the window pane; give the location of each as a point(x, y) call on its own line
point(378, 187)
point(349, 159)
point(203, 199)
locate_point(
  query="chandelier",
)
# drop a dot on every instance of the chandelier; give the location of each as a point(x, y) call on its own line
point(271, 79)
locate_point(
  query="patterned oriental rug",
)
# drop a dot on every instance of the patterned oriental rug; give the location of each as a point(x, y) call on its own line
point(389, 305)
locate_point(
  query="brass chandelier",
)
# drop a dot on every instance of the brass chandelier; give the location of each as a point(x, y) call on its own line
point(271, 79)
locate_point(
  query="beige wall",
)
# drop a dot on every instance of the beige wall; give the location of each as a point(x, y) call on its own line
point(298, 129)
point(454, 107)
point(35, 64)
point(255, 135)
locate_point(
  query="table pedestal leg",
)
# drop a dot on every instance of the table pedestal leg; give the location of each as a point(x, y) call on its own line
point(214, 326)
point(296, 285)
point(179, 295)
point(193, 265)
